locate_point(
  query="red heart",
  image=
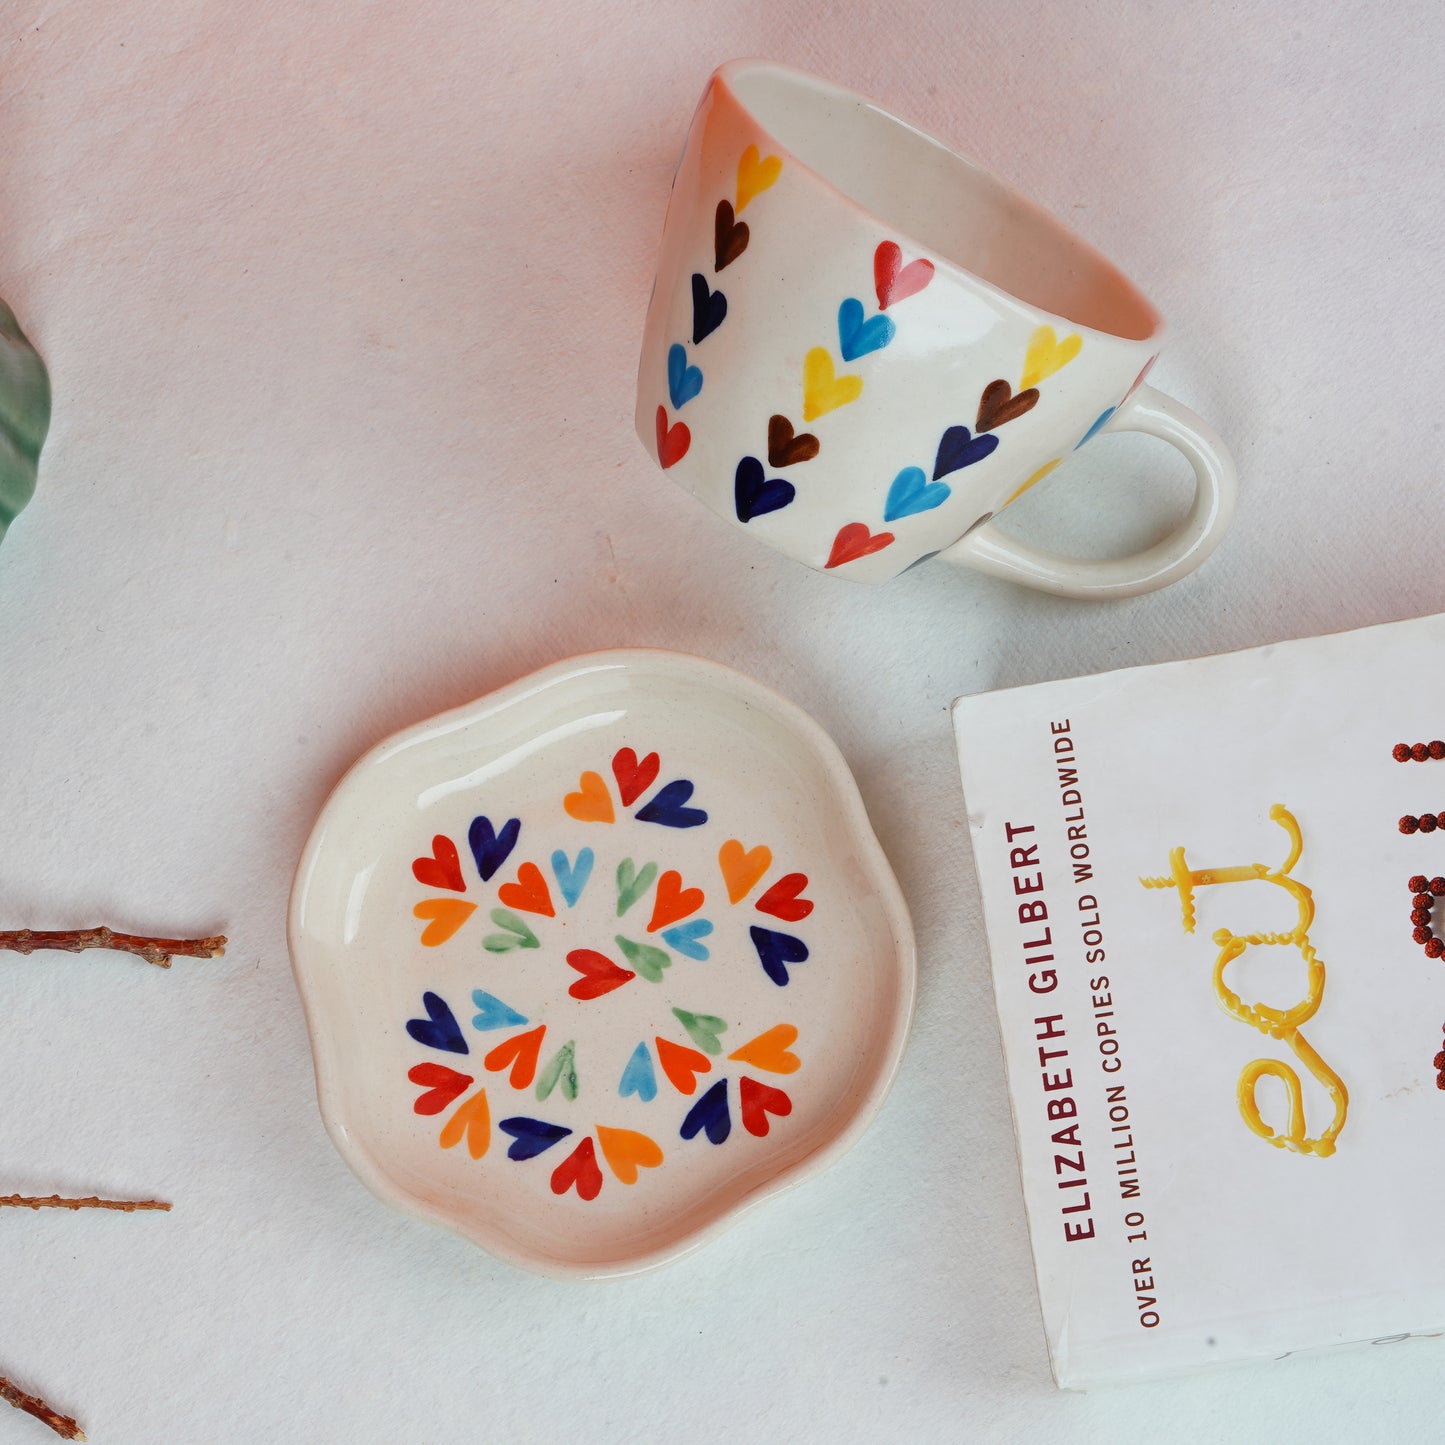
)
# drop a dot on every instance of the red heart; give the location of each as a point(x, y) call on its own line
point(521, 1053)
point(782, 900)
point(891, 283)
point(672, 444)
point(579, 1168)
point(444, 869)
point(529, 893)
point(634, 778)
point(758, 1101)
point(599, 974)
point(854, 541)
point(444, 1085)
point(672, 901)
point(681, 1064)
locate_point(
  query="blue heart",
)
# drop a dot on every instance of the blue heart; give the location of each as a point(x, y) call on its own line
point(683, 381)
point(494, 1014)
point(754, 495)
point(912, 493)
point(1100, 423)
point(708, 308)
point(637, 1077)
point(532, 1136)
point(857, 337)
point(710, 1113)
point(667, 808)
point(684, 938)
point(489, 847)
point(439, 1029)
point(956, 448)
point(776, 951)
point(572, 877)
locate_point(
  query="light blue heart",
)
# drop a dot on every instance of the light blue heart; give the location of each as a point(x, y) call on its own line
point(683, 381)
point(684, 938)
point(572, 877)
point(857, 337)
point(1097, 427)
point(637, 1077)
point(912, 493)
point(494, 1014)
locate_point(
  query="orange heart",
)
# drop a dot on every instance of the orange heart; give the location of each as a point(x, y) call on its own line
point(474, 1120)
point(742, 869)
point(769, 1051)
point(625, 1150)
point(592, 803)
point(681, 1064)
point(672, 901)
point(756, 174)
point(446, 914)
point(529, 893)
point(521, 1053)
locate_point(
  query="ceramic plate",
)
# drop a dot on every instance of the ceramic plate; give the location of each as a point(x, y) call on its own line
point(594, 963)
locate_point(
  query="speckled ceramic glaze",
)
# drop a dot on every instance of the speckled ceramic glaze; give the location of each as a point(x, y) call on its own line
point(598, 961)
point(861, 347)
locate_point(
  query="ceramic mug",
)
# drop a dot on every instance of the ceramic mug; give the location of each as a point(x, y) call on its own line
point(860, 346)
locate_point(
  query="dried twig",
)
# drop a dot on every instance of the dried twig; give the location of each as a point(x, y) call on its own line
point(158, 951)
point(56, 1201)
point(63, 1425)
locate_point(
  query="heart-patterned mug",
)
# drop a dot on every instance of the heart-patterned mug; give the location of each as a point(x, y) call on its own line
point(861, 347)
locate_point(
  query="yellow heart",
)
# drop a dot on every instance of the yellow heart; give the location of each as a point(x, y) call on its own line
point(1038, 476)
point(756, 175)
point(447, 915)
point(822, 391)
point(1047, 354)
point(474, 1120)
point(625, 1149)
point(742, 869)
point(593, 803)
point(770, 1051)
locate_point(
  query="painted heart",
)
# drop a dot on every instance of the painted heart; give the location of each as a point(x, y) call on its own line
point(703, 1029)
point(729, 238)
point(473, 1121)
point(439, 1029)
point(634, 775)
point(599, 974)
point(446, 915)
point(672, 901)
point(785, 449)
point(638, 1077)
point(755, 495)
point(579, 1169)
point(518, 935)
point(1100, 422)
point(686, 938)
point(673, 441)
point(492, 1013)
point(769, 1051)
point(520, 1052)
point(490, 848)
point(894, 281)
point(912, 493)
point(443, 869)
point(1038, 476)
point(666, 807)
point(529, 893)
point(572, 876)
point(710, 1113)
point(681, 1064)
point(1047, 354)
point(708, 308)
point(683, 381)
point(646, 959)
point(776, 951)
point(854, 541)
point(957, 449)
point(591, 803)
point(442, 1085)
point(742, 869)
point(626, 1151)
point(857, 337)
point(822, 390)
point(755, 174)
point(561, 1070)
point(632, 883)
point(784, 899)
point(530, 1137)
point(999, 404)
point(758, 1101)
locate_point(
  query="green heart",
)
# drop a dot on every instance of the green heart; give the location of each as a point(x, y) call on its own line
point(632, 883)
point(646, 959)
point(703, 1029)
point(517, 936)
point(563, 1069)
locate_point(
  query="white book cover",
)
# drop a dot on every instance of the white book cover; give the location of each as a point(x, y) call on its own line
point(1218, 998)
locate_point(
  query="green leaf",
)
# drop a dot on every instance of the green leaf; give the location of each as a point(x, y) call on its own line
point(24, 416)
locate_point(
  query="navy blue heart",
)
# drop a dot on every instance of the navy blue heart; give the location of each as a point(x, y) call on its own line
point(531, 1137)
point(710, 1113)
point(776, 951)
point(489, 847)
point(956, 448)
point(439, 1030)
point(667, 808)
point(708, 308)
point(754, 494)
point(683, 381)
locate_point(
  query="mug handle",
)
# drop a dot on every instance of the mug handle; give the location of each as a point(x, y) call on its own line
point(990, 549)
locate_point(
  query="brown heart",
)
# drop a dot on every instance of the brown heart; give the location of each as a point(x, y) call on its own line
point(730, 236)
point(998, 404)
point(784, 448)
